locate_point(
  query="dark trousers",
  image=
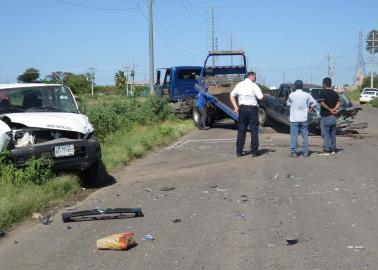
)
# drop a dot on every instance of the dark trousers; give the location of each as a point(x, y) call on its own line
point(202, 117)
point(248, 115)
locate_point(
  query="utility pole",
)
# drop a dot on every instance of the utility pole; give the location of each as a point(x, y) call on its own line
point(232, 62)
point(360, 66)
point(126, 72)
point(91, 72)
point(151, 45)
point(372, 46)
point(330, 66)
point(212, 33)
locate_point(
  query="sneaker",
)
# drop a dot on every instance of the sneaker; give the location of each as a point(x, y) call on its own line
point(239, 154)
point(206, 128)
point(333, 152)
point(324, 153)
point(293, 154)
point(306, 155)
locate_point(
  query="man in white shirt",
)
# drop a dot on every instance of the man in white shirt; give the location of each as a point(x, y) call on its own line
point(301, 103)
point(248, 93)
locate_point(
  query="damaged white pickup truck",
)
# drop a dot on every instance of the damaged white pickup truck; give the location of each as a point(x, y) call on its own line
point(43, 120)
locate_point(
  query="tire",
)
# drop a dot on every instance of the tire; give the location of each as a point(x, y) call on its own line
point(95, 175)
point(263, 117)
point(195, 116)
point(210, 121)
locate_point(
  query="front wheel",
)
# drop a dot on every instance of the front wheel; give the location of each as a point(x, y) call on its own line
point(263, 117)
point(196, 116)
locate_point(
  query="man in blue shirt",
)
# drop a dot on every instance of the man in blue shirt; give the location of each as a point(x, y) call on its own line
point(301, 103)
point(201, 104)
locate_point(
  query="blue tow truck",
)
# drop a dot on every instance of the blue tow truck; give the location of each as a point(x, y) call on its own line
point(177, 85)
point(221, 71)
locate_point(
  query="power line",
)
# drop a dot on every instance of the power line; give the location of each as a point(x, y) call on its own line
point(91, 7)
point(173, 37)
point(168, 41)
point(178, 18)
point(181, 31)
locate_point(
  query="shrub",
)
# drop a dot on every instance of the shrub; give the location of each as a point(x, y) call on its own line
point(374, 103)
point(36, 171)
point(109, 117)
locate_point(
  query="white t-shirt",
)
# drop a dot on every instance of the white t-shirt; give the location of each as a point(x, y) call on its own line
point(248, 92)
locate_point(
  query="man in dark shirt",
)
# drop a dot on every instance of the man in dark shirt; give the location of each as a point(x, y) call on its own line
point(329, 101)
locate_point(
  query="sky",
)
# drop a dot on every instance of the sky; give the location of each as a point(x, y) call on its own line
point(283, 40)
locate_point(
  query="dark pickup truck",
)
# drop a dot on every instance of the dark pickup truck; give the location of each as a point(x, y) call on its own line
point(273, 107)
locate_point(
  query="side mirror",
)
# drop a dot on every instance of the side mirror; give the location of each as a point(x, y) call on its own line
point(158, 77)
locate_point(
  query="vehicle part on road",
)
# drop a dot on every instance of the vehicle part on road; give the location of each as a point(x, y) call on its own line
point(291, 242)
point(149, 237)
point(101, 213)
point(45, 220)
point(119, 241)
point(167, 188)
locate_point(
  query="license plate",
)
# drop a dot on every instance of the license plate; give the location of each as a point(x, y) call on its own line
point(64, 150)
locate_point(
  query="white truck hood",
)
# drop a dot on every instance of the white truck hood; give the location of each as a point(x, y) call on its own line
point(55, 120)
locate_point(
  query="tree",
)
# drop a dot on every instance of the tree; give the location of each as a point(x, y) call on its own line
point(29, 75)
point(78, 83)
point(120, 79)
point(57, 77)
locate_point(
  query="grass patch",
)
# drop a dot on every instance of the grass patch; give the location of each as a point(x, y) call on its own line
point(18, 201)
point(374, 103)
point(121, 147)
point(353, 95)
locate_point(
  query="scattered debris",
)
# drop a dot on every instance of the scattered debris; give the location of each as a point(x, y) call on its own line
point(276, 176)
point(291, 242)
point(167, 188)
point(213, 186)
point(244, 196)
point(356, 247)
point(46, 220)
point(148, 189)
point(177, 220)
point(68, 227)
point(240, 216)
point(2, 233)
point(15, 242)
point(271, 245)
point(288, 176)
point(221, 189)
point(37, 216)
point(119, 241)
point(102, 213)
point(148, 237)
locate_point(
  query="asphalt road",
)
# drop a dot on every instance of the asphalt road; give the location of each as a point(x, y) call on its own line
point(236, 213)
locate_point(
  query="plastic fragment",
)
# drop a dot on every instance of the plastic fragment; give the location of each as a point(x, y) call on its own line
point(148, 237)
point(119, 241)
